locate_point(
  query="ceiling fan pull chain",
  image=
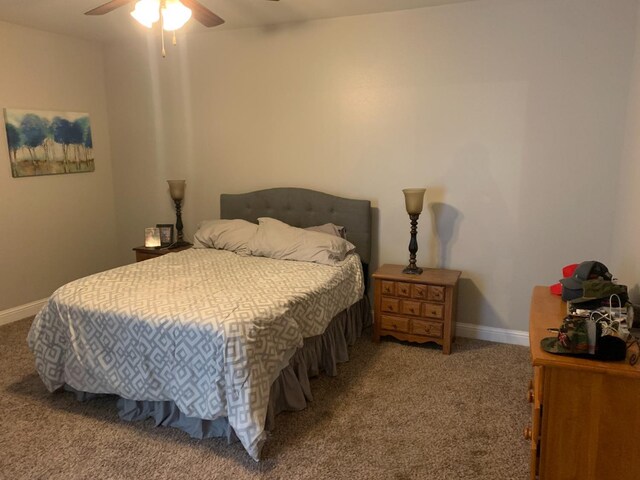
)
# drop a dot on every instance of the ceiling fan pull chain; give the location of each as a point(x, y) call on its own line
point(164, 52)
point(174, 39)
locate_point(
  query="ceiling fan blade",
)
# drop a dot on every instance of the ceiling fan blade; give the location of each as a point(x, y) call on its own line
point(202, 14)
point(107, 7)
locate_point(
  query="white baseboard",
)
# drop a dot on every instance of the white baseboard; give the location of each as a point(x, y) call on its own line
point(492, 334)
point(21, 311)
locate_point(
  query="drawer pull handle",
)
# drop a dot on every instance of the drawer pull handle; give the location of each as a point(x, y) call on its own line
point(412, 310)
point(526, 433)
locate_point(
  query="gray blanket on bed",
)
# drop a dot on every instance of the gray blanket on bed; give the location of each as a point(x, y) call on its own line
point(207, 329)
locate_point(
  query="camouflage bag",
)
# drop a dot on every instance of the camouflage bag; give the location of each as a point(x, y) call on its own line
point(573, 339)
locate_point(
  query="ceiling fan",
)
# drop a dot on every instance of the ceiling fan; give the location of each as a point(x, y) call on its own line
point(172, 14)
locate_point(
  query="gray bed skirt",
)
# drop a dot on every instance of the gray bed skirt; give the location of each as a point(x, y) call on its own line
point(289, 392)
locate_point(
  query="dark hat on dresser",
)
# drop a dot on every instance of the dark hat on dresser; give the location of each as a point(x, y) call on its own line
point(572, 287)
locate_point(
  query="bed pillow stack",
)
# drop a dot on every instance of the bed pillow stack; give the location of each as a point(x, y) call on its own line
point(331, 229)
point(275, 239)
point(231, 235)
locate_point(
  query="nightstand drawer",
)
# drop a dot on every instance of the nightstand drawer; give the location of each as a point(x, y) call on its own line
point(388, 288)
point(147, 253)
point(395, 324)
point(431, 310)
point(141, 256)
point(424, 327)
point(435, 294)
point(410, 307)
point(390, 305)
point(403, 289)
point(419, 291)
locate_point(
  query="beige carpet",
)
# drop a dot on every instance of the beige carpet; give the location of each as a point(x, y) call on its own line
point(396, 411)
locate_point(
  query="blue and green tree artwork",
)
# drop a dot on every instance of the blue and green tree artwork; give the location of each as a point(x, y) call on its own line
point(48, 143)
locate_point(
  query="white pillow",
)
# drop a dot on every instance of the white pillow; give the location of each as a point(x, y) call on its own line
point(231, 235)
point(276, 239)
point(331, 229)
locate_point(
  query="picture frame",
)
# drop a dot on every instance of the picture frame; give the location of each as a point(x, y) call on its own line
point(43, 142)
point(166, 234)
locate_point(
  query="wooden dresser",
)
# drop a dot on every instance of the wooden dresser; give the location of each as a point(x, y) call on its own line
point(415, 308)
point(585, 413)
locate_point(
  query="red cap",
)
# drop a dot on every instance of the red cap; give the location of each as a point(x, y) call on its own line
point(556, 288)
point(569, 270)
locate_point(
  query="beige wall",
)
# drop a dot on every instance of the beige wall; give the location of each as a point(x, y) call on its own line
point(626, 235)
point(511, 113)
point(54, 228)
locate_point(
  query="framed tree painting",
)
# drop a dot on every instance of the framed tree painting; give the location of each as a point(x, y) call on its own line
point(48, 143)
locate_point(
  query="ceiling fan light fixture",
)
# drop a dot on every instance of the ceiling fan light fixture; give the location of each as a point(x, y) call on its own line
point(147, 12)
point(174, 15)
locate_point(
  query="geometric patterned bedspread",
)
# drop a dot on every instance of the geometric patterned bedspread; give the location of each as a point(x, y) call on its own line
point(207, 329)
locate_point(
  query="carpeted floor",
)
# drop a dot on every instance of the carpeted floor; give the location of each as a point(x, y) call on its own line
point(396, 411)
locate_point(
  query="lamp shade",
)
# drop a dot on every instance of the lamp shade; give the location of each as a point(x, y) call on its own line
point(174, 15)
point(176, 189)
point(147, 12)
point(413, 199)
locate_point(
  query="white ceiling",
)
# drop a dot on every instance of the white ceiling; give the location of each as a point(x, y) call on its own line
point(66, 16)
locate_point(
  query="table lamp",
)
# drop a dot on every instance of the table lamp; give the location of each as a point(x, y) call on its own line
point(176, 190)
point(413, 199)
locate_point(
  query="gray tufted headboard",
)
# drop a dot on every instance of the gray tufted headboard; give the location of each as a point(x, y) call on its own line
point(304, 208)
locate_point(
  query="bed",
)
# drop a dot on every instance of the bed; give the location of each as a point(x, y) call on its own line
point(206, 340)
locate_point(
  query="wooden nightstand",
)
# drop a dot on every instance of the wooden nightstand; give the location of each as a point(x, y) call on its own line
point(416, 308)
point(145, 253)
